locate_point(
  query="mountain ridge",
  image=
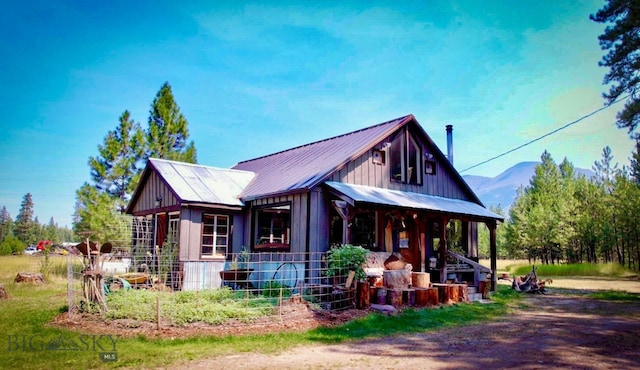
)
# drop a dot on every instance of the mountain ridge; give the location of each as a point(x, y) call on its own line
point(501, 189)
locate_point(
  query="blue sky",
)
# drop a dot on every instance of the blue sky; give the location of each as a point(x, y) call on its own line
point(255, 78)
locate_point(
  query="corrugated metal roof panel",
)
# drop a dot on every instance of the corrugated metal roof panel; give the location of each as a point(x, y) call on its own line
point(305, 166)
point(197, 183)
point(396, 198)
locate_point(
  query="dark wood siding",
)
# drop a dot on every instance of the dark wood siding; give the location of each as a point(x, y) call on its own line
point(299, 218)
point(362, 171)
point(153, 188)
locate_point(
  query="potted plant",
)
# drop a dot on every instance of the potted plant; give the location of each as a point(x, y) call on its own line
point(239, 270)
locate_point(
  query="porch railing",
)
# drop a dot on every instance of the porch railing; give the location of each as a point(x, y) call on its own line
point(477, 268)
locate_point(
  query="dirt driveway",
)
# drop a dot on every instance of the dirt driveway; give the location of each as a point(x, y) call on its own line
point(556, 331)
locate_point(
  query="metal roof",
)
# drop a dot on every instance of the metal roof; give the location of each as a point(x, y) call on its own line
point(396, 198)
point(194, 183)
point(308, 165)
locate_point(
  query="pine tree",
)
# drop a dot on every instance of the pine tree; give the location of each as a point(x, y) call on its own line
point(634, 168)
point(605, 171)
point(98, 212)
point(117, 168)
point(6, 224)
point(25, 226)
point(622, 41)
point(52, 232)
point(167, 134)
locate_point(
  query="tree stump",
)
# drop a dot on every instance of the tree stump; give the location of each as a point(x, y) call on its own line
point(421, 296)
point(363, 293)
point(484, 289)
point(381, 296)
point(394, 297)
point(448, 293)
point(426, 297)
point(397, 279)
point(409, 297)
point(463, 290)
point(29, 277)
point(432, 297)
point(420, 279)
point(3, 292)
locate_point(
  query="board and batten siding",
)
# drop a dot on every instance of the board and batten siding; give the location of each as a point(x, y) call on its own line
point(362, 171)
point(191, 232)
point(298, 242)
point(153, 188)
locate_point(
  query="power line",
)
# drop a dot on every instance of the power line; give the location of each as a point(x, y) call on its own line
point(547, 134)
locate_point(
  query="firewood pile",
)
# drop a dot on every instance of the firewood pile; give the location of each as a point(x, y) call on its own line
point(530, 283)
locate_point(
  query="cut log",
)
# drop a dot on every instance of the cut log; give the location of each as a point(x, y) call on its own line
point(381, 295)
point(394, 297)
point(29, 277)
point(397, 279)
point(432, 297)
point(463, 292)
point(409, 297)
point(3, 292)
point(421, 297)
point(454, 293)
point(484, 289)
point(364, 299)
point(448, 293)
point(426, 297)
point(420, 279)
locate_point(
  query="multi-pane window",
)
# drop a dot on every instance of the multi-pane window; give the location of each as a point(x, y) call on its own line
point(363, 230)
point(273, 227)
point(215, 235)
point(173, 233)
point(405, 159)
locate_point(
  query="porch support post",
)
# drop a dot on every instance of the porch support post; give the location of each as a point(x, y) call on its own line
point(346, 231)
point(442, 249)
point(493, 251)
point(343, 210)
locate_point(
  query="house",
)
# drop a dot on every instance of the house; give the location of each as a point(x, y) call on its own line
point(387, 187)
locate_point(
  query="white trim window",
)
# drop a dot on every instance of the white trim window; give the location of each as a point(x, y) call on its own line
point(215, 236)
point(173, 234)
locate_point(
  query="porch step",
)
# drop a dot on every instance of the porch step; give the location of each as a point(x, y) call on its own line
point(475, 297)
point(472, 289)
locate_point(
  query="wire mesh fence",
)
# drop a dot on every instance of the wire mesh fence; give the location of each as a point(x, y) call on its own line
point(140, 284)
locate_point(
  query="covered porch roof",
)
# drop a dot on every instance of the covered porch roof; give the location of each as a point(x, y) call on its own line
point(354, 194)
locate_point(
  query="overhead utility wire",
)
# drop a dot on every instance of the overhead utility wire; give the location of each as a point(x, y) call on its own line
point(547, 134)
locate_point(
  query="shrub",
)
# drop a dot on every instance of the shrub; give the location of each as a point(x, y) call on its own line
point(272, 289)
point(345, 258)
point(11, 245)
